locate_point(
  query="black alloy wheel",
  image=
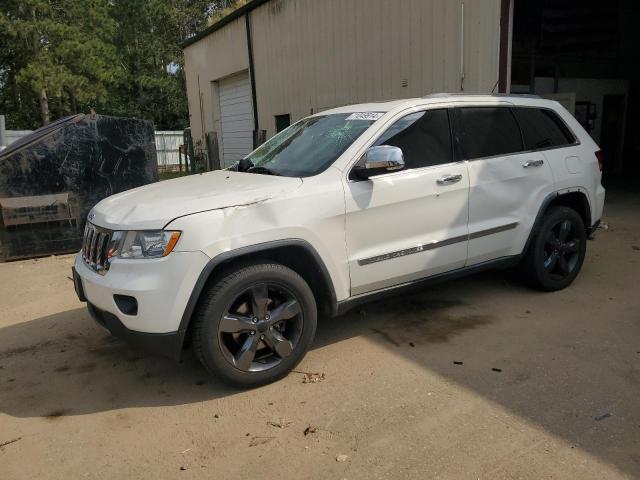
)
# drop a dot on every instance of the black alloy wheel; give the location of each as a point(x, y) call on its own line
point(261, 327)
point(557, 250)
point(562, 249)
point(254, 324)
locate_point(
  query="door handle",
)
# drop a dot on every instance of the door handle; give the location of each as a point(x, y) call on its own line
point(449, 179)
point(532, 163)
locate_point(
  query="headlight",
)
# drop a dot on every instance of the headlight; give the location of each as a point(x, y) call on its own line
point(142, 244)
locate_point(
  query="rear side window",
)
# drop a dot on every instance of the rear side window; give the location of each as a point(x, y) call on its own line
point(489, 131)
point(423, 137)
point(541, 128)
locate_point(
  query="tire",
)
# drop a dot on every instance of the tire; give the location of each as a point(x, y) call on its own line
point(556, 251)
point(268, 299)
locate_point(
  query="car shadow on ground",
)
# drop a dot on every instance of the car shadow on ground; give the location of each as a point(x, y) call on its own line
point(515, 356)
point(65, 364)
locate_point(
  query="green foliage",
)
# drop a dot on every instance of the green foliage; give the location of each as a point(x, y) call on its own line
point(119, 57)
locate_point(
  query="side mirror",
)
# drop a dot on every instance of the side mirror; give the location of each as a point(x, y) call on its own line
point(378, 160)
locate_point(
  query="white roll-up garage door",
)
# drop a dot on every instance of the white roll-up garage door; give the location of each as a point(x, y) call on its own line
point(236, 117)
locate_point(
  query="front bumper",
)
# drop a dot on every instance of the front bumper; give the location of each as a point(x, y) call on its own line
point(161, 288)
point(163, 344)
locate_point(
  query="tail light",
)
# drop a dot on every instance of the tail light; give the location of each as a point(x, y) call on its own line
point(600, 157)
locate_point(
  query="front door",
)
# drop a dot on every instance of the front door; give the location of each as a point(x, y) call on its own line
point(410, 224)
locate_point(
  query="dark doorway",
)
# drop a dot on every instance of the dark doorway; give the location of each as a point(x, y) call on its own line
point(282, 122)
point(612, 133)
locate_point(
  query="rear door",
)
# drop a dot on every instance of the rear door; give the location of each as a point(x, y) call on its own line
point(507, 184)
point(410, 224)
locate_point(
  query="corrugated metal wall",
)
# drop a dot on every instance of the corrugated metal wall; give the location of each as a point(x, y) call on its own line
point(317, 54)
point(218, 55)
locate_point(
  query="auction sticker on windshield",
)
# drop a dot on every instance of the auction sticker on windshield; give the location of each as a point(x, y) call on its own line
point(365, 116)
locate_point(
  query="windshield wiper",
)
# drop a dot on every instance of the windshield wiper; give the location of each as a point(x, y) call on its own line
point(263, 170)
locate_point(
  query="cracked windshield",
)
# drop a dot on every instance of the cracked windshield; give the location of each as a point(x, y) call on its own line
point(309, 146)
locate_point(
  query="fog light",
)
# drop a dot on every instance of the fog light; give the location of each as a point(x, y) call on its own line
point(126, 304)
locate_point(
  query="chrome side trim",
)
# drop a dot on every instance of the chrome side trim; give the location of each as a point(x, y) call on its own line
point(436, 244)
point(491, 231)
point(412, 250)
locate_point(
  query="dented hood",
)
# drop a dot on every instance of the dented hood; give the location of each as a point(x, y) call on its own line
point(155, 205)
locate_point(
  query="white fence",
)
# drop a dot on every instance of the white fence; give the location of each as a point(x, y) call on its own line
point(167, 144)
point(11, 136)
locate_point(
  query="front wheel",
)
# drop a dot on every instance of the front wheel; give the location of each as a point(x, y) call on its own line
point(255, 325)
point(557, 250)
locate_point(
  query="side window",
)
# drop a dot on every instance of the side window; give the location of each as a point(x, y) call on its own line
point(489, 131)
point(541, 128)
point(424, 137)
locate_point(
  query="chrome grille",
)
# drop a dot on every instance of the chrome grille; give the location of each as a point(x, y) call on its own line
point(94, 247)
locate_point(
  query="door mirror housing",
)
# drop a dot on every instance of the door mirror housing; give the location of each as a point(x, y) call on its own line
point(379, 160)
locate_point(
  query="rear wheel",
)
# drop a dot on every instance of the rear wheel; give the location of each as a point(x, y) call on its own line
point(557, 250)
point(255, 325)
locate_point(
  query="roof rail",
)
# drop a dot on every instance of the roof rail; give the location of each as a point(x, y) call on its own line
point(458, 94)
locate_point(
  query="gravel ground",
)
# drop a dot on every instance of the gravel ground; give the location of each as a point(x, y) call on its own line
point(477, 378)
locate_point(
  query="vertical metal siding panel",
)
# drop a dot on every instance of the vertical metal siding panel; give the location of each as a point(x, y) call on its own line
point(308, 45)
point(404, 45)
point(393, 61)
point(388, 61)
point(361, 75)
point(297, 37)
point(433, 67)
point(300, 107)
point(452, 15)
point(319, 52)
point(440, 45)
point(471, 48)
point(315, 56)
point(339, 59)
point(482, 20)
point(375, 73)
point(415, 49)
point(330, 13)
point(384, 48)
point(348, 57)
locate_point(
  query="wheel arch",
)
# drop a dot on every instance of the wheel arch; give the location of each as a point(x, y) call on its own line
point(297, 254)
point(575, 198)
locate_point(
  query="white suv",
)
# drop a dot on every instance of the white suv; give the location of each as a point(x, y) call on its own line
point(335, 210)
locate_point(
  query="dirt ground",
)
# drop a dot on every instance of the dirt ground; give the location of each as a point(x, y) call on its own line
point(478, 378)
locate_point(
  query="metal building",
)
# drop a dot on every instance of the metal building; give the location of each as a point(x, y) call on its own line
point(273, 62)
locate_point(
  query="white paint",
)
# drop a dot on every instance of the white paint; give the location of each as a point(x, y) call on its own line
point(153, 206)
point(574, 166)
point(402, 210)
point(342, 220)
point(501, 192)
point(161, 298)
